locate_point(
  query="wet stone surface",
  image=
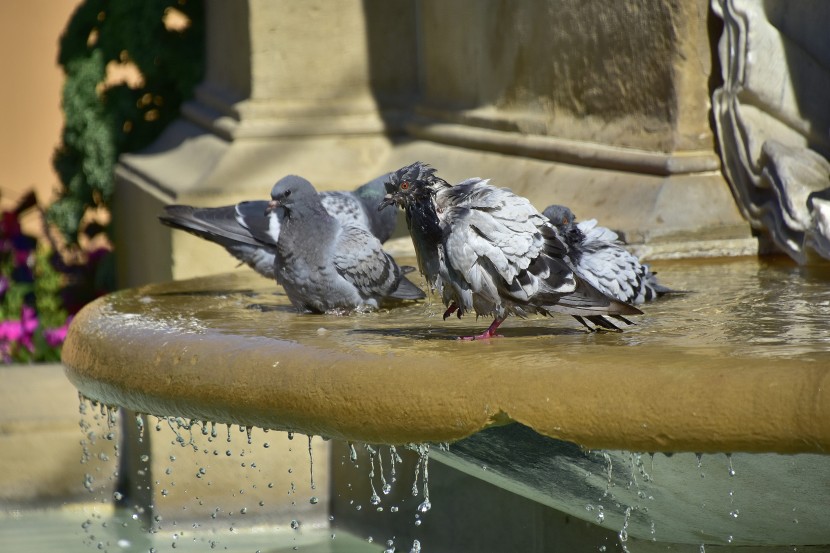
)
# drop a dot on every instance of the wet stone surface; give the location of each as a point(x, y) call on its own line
point(693, 369)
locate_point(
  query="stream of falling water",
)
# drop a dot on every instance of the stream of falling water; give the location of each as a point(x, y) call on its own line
point(181, 494)
point(184, 496)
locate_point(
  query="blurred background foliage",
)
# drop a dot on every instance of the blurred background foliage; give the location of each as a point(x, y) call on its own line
point(129, 65)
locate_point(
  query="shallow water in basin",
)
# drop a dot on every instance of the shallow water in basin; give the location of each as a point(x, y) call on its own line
point(740, 307)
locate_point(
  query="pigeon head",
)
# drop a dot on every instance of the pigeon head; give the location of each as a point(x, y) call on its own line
point(559, 215)
point(291, 191)
point(409, 184)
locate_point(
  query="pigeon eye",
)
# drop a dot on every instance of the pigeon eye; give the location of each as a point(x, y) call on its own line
point(404, 185)
point(287, 193)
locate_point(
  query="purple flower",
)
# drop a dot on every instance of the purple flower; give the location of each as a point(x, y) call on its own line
point(9, 224)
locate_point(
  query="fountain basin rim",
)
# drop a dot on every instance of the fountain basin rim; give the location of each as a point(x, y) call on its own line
point(613, 402)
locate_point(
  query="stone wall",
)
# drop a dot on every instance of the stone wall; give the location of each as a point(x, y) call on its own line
point(603, 105)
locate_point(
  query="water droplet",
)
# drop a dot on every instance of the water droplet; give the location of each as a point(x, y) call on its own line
point(118, 496)
point(393, 509)
point(144, 458)
point(164, 492)
point(313, 500)
point(375, 499)
point(424, 506)
point(734, 514)
point(370, 539)
point(266, 445)
point(295, 524)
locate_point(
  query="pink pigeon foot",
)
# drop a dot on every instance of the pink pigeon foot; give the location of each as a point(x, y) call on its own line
point(487, 334)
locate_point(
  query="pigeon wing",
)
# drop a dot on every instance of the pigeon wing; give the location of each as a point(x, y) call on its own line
point(240, 229)
point(360, 260)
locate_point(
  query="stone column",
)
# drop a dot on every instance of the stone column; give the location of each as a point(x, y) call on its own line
point(290, 88)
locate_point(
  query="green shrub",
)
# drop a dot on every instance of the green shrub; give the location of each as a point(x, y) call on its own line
point(104, 121)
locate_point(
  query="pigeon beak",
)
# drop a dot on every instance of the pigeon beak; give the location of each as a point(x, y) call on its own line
point(386, 202)
point(272, 205)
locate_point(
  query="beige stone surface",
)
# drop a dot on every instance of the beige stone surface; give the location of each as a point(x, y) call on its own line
point(228, 349)
point(40, 440)
point(620, 73)
point(526, 94)
point(30, 99)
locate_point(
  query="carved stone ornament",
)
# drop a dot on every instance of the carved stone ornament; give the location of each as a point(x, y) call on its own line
point(772, 117)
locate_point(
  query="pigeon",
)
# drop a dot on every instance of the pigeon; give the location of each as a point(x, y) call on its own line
point(597, 256)
point(327, 266)
point(488, 250)
point(245, 234)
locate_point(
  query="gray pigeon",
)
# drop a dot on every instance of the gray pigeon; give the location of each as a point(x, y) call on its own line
point(245, 234)
point(597, 256)
point(487, 250)
point(327, 266)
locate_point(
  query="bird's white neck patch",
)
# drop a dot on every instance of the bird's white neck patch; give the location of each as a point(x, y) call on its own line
point(274, 224)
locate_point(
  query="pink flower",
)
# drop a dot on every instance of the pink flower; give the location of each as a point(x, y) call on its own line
point(56, 336)
point(28, 318)
point(10, 331)
point(20, 332)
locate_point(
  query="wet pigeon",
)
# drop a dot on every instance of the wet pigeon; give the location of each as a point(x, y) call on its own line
point(597, 256)
point(327, 266)
point(488, 250)
point(245, 234)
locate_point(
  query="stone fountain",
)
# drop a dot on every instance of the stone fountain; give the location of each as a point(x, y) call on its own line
point(613, 430)
point(609, 428)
